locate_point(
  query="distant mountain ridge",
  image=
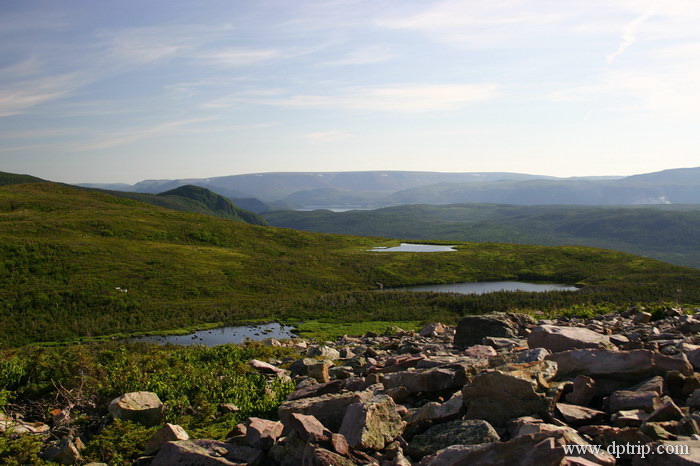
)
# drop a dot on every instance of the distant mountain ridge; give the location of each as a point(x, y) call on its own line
point(375, 189)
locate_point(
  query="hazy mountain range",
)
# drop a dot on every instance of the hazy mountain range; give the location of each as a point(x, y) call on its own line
point(373, 189)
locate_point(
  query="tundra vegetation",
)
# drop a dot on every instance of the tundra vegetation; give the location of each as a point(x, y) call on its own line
point(77, 264)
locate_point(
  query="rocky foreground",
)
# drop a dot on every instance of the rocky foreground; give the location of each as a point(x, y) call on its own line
point(499, 389)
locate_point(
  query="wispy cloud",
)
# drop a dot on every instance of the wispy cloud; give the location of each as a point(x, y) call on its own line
point(629, 35)
point(238, 56)
point(322, 137)
point(365, 56)
point(397, 98)
point(17, 98)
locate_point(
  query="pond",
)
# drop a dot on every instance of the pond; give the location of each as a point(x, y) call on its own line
point(490, 287)
point(409, 247)
point(220, 336)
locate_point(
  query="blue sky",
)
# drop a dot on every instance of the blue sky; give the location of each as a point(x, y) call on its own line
point(130, 90)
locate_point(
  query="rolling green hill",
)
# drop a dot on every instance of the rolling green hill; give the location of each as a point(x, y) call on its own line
point(666, 232)
point(76, 262)
point(197, 200)
point(13, 178)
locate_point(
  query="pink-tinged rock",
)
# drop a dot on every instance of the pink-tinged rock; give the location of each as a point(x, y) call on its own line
point(480, 352)
point(371, 424)
point(434, 412)
point(625, 400)
point(629, 418)
point(621, 365)
point(262, 433)
point(556, 338)
point(309, 428)
point(642, 318)
point(530, 425)
point(167, 433)
point(513, 391)
point(584, 391)
point(317, 456)
point(668, 411)
point(580, 415)
point(328, 409)
point(265, 367)
point(525, 450)
point(140, 407)
point(340, 444)
point(432, 330)
point(206, 452)
point(316, 390)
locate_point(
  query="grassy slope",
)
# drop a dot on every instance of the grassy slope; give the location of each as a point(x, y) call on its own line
point(64, 250)
point(668, 233)
point(195, 199)
point(13, 178)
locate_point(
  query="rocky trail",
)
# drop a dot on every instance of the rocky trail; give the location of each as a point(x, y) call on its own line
point(498, 389)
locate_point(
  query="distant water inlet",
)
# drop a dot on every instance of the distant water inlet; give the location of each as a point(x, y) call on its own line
point(490, 287)
point(408, 247)
point(223, 335)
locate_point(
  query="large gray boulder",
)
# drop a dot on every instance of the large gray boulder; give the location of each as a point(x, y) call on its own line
point(471, 330)
point(141, 407)
point(430, 380)
point(556, 338)
point(460, 432)
point(371, 424)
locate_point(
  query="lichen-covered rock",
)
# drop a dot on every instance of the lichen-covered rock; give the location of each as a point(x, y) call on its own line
point(323, 352)
point(317, 456)
point(141, 407)
point(460, 432)
point(471, 330)
point(371, 424)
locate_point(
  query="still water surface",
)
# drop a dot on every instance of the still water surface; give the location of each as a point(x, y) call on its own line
point(407, 247)
point(490, 287)
point(220, 336)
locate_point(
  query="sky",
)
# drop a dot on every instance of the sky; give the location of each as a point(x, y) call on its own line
point(121, 91)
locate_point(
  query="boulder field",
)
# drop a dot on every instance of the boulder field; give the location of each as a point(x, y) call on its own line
point(498, 389)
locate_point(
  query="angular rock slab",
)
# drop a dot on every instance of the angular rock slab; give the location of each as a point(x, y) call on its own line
point(471, 330)
point(372, 424)
point(206, 452)
point(141, 407)
point(512, 392)
point(556, 338)
point(526, 450)
point(621, 365)
point(262, 433)
point(328, 409)
point(431, 380)
point(460, 432)
point(167, 433)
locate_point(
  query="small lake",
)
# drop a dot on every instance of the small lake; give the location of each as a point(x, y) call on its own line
point(223, 335)
point(407, 247)
point(489, 287)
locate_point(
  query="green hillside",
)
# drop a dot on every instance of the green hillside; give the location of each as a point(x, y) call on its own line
point(195, 199)
point(65, 251)
point(13, 178)
point(666, 232)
